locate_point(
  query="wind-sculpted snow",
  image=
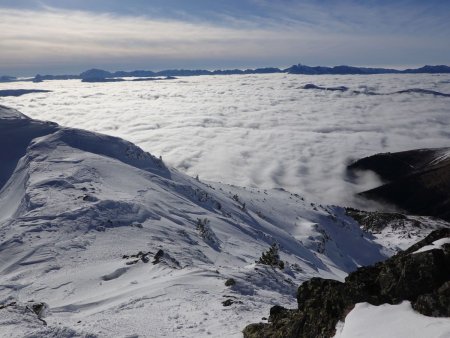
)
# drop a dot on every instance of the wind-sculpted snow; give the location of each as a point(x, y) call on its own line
point(118, 244)
point(257, 130)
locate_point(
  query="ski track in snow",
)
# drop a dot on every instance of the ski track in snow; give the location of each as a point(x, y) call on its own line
point(257, 130)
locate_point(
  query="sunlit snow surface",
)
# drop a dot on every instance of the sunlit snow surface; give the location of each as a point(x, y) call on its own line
point(77, 205)
point(399, 321)
point(255, 130)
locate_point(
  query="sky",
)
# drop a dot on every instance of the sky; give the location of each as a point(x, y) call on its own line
point(69, 36)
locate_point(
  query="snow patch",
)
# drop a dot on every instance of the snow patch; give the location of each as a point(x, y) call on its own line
point(435, 245)
point(399, 321)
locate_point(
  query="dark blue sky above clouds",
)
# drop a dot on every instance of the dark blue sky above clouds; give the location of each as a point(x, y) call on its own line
point(63, 36)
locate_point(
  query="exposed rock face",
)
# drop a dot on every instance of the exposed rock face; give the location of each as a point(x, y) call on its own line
point(423, 278)
point(435, 304)
point(418, 180)
point(393, 230)
point(375, 221)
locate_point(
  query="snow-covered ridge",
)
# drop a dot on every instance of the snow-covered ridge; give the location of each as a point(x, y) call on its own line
point(83, 215)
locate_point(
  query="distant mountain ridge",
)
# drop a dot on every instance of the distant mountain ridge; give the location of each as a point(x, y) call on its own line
point(295, 69)
point(99, 73)
point(349, 70)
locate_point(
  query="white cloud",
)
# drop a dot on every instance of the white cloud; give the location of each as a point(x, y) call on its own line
point(256, 130)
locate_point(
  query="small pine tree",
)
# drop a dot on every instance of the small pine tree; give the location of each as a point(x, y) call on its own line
point(271, 257)
point(203, 226)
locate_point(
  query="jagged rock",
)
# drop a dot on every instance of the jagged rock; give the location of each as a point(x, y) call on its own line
point(32, 311)
point(423, 278)
point(227, 302)
point(230, 302)
point(132, 262)
point(375, 221)
point(158, 256)
point(230, 282)
point(143, 256)
point(436, 304)
point(39, 309)
point(89, 198)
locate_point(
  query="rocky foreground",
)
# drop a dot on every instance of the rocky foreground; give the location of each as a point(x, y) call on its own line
point(420, 274)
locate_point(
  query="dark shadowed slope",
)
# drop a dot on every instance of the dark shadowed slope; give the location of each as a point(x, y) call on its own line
point(418, 180)
point(16, 133)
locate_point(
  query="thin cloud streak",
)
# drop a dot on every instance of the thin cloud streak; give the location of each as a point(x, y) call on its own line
point(401, 17)
point(38, 38)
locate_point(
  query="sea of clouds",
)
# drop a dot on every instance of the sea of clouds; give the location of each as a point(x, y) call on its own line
point(256, 130)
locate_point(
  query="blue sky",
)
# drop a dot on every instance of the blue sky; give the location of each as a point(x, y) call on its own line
point(68, 36)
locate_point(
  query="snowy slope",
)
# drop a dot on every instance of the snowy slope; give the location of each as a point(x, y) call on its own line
point(77, 205)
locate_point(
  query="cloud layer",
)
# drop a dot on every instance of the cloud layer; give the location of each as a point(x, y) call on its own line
point(256, 130)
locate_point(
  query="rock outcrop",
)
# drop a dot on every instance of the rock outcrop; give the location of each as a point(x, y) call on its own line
point(376, 222)
point(423, 278)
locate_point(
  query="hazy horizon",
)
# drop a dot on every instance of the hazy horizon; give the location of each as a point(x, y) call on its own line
point(68, 37)
point(77, 71)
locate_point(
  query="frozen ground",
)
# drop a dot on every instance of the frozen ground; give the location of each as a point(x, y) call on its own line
point(256, 130)
point(76, 207)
